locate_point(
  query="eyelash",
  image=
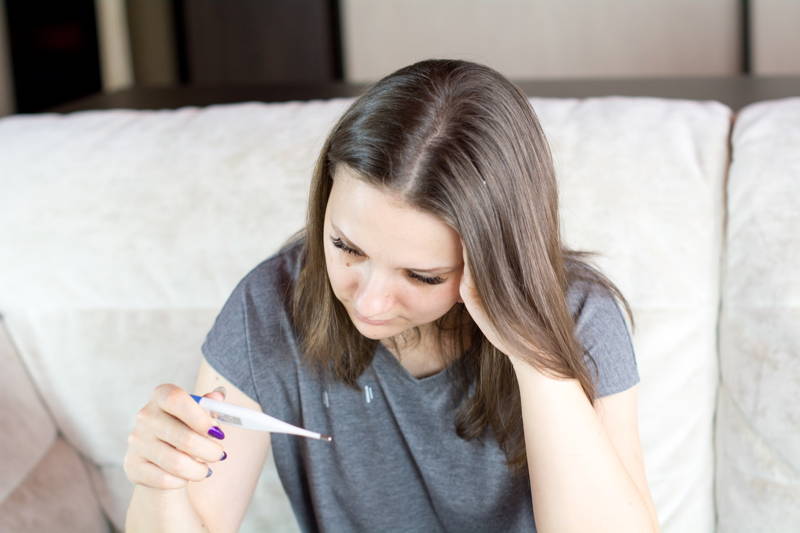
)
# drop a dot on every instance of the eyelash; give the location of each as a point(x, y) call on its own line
point(338, 243)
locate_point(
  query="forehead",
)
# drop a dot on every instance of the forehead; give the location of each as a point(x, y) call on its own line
point(381, 223)
point(350, 183)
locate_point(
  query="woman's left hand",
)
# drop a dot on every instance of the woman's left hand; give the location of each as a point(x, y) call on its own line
point(472, 301)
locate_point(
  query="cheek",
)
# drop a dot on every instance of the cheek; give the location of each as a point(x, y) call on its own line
point(429, 303)
point(342, 277)
point(425, 302)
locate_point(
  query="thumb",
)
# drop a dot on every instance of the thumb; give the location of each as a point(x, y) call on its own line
point(216, 394)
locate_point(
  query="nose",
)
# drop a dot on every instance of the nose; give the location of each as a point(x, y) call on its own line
point(375, 297)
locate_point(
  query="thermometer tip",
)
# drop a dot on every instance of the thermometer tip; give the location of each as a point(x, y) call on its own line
point(326, 438)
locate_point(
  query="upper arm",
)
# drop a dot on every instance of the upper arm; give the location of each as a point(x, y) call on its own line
point(222, 499)
point(619, 415)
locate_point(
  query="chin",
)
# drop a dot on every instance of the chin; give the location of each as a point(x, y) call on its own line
point(376, 333)
point(374, 336)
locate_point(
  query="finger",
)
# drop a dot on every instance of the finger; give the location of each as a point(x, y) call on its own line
point(177, 402)
point(171, 460)
point(220, 389)
point(143, 472)
point(175, 432)
point(466, 270)
point(215, 395)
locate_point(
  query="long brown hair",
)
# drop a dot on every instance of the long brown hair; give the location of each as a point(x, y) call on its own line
point(458, 140)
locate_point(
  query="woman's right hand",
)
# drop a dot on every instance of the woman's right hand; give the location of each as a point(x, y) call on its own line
point(170, 443)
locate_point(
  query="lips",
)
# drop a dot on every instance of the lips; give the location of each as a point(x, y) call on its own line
point(372, 322)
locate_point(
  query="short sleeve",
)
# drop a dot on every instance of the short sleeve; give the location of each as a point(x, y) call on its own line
point(226, 346)
point(609, 353)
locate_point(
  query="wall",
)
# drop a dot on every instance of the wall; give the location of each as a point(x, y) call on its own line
point(153, 47)
point(524, 39)
point(775, 29)
point(115, 50)
point(535, 39)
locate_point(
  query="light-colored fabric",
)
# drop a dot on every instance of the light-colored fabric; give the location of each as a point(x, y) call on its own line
point(125, 231)
point(123, 236)
point(642, 182)
point(55, 496)
point(758, 422)
point(535, 39)
point(29, 430)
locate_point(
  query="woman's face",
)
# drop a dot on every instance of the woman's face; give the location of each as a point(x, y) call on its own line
point(387, 263)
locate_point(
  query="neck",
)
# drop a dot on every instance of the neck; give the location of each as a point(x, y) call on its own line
point(427, 348)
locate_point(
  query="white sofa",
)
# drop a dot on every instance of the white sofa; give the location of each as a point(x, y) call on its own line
point(123, 232)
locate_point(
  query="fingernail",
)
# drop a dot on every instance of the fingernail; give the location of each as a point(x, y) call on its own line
point(216, 432)
point(220, 389)
point(224, 455)
point(209, 472)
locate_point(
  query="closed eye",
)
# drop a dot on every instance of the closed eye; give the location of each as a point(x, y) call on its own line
point(338, 243)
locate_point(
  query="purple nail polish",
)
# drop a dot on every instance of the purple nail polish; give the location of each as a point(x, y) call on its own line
point(216, 432)
point(209, 472)
point(224, 455)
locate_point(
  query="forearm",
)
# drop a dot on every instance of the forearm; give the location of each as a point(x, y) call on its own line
point(162, 511)
point(578, 482)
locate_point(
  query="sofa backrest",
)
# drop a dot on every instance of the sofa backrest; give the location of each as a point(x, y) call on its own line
point(123, 232)
point(758, 422)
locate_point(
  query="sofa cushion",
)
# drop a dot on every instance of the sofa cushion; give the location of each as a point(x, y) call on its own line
point(758, 422)
point(127, 230)
point(30, 431)
point(55, 496)
point(124, 234)
point(642, 181)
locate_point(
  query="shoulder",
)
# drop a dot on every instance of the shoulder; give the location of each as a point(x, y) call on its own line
point(257, 306)
point(273, 277)
point(603, 332)
point(592, 304)
point(252, 341)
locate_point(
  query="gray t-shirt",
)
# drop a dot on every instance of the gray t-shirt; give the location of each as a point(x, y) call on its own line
point(395, 463)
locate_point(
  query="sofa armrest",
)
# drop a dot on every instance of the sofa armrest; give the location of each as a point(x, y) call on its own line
point(44, 485)
point(21, 408)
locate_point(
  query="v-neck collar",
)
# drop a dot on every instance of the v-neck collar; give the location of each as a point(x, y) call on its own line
point(388, 362)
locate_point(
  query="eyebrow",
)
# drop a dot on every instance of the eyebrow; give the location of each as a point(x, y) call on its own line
point(351, 244)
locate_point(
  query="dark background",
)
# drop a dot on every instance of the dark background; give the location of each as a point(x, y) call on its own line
point(267, 50)
point(55, 54)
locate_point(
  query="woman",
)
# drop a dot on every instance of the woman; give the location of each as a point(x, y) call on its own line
point(474, 373)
